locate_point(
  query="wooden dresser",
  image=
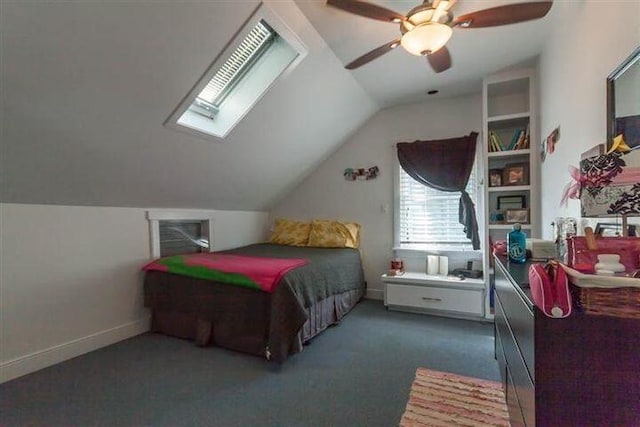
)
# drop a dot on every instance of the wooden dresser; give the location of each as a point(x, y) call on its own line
point(580, 371)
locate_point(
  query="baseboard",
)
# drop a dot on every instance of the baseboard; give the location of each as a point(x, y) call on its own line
point(374, 294)
point(59, 353)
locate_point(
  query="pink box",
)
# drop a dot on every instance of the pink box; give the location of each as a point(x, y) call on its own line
point(627, 247)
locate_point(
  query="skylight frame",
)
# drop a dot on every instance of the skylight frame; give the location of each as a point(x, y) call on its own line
point(285, 36)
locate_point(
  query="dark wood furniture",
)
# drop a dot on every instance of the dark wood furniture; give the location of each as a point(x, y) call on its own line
point(583, 370)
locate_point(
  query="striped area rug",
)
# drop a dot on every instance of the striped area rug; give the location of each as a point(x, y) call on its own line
point(448, 400)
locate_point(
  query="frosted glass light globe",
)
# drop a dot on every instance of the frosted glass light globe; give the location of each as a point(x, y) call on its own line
point(426, 38)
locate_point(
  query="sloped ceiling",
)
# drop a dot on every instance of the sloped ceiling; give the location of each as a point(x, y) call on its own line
point(399, 77)
point(87, 86)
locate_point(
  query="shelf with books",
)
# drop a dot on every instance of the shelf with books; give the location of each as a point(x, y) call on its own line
point(508, 135)
point(510, 129)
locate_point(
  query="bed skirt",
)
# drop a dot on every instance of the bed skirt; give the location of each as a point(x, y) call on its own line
point(255, 337)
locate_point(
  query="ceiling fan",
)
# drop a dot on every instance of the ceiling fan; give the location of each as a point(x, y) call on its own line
point(427, 27)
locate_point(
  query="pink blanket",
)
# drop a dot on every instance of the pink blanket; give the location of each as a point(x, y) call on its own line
point(247, 271)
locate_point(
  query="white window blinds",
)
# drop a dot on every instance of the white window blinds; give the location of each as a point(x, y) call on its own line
point(230, 73)
point(430, 217)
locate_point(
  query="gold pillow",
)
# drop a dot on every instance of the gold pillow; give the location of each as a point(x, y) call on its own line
point(334, 234)
point(354, 231)
point(289, 232)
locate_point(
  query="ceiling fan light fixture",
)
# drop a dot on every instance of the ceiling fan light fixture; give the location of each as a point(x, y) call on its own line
point(426, 38)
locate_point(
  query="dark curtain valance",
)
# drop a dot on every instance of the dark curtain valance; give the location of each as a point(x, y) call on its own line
point(445, 164)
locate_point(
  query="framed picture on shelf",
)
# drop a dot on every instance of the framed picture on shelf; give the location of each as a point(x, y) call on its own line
point(496, 218)
point(512, 216)
point(613, 230)
point(511, 202)
point(495, 178)
point(516, 174)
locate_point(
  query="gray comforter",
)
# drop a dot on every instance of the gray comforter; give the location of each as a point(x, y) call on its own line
point(254, 321)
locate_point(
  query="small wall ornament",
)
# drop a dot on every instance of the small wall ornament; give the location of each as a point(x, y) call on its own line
point(362, 174)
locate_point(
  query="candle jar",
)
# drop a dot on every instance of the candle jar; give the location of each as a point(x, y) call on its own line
point(397, 264)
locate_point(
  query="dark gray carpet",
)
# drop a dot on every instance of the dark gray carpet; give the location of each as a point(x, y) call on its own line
point(355, 374)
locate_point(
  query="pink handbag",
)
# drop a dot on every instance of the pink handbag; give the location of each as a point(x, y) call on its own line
point(549, 287)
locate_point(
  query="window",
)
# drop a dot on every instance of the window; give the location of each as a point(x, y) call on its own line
point(427, 218)
point(263, 50)
point(182, 237)
point(254, 45)
point(178, 232)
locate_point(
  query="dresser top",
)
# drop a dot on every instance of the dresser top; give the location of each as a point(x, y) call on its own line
point(518, 274)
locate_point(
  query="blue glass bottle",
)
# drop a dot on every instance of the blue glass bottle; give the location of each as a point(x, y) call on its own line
point(517, 244)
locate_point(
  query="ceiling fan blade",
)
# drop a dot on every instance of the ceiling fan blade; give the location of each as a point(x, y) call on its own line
point(504, 15)
point(367, 10)
point(440, 60)
point(370, 56)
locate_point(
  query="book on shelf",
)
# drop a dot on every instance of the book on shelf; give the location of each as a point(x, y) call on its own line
point(520, 141)
point(492, 145)
point(514, 140)
point(526, 137)
point(495, 143)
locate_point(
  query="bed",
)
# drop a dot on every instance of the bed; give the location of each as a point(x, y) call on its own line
point(305, 302)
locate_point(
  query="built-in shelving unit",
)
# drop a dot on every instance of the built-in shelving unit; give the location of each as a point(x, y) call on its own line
point(510, 140)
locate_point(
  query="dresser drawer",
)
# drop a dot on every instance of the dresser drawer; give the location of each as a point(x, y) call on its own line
point(468, 301)
point(521, 381)
point(520, 315)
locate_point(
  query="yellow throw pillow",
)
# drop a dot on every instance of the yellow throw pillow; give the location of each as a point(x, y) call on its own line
point(334, 234)
point(354, 231)
point(289, 232)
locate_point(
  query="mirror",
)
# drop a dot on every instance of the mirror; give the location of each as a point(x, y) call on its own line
point(623, 101)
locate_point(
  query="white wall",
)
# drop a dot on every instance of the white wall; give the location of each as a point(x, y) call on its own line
point(121, 69)
point(71, 282)
point(593, 38)
point(326, 194)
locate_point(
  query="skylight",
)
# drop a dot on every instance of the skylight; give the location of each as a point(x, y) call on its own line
point(242, 59)
point(260, 53)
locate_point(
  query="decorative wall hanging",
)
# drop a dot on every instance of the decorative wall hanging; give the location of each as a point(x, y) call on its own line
point(351, 174)
point(543, 150)
point(552, 140)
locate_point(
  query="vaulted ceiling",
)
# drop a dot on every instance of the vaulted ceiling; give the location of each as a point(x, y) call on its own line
point(86, 87)
point(399, 77)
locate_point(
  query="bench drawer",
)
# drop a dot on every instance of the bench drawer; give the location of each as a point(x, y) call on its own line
point(469, 301)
